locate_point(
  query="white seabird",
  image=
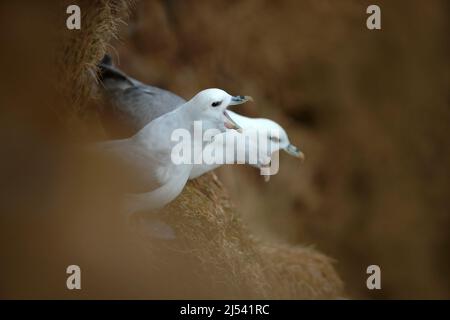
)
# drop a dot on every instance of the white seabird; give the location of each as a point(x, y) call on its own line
point(277, 139)
point(135, 104)
point(146, 156)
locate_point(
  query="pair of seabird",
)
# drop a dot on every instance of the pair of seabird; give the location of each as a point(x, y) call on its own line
point(152, 114)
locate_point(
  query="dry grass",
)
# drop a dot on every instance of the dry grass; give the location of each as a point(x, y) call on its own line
point(213, 231)
point(81, 50)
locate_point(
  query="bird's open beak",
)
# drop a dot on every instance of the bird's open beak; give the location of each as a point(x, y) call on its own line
point(240, 100)
point(294, 151)
point(230, 123)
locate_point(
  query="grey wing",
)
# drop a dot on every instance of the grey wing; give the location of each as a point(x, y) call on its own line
point(132, 104)
point(142, 104)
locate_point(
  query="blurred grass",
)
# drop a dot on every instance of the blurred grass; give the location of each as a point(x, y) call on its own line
point(61, 204)
point(369, 109)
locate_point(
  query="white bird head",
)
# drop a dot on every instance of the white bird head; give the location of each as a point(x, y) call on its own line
point(277, 138)
point(211, 104)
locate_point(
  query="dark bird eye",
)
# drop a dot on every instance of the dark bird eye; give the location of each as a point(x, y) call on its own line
point(216, 104)
point(275, 139)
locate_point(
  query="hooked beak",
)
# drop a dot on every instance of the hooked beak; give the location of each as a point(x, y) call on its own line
point(230, 123)
point(294, 151)
point(240, 100)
